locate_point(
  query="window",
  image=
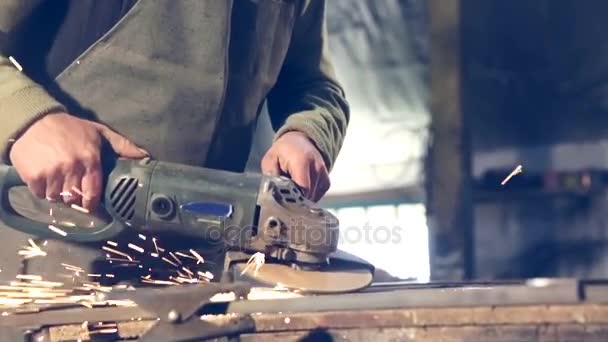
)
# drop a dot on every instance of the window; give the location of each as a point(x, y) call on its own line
point(392, 237)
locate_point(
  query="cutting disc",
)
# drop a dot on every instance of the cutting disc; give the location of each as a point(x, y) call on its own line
point(336, 280)
point(55, 213)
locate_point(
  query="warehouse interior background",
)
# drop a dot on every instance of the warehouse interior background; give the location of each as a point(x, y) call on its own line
point(445, 102)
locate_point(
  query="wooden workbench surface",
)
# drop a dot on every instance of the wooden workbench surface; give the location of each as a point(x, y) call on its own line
point(585, 322)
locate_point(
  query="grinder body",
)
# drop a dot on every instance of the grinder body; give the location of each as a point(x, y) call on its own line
point(242, 212)
point(180, 200)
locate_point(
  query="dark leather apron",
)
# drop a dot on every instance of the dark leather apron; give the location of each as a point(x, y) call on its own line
point(158, 76)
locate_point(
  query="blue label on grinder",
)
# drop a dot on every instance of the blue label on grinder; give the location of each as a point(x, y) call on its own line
point(208, 209)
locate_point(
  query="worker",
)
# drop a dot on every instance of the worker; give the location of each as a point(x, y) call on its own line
point(180, 81)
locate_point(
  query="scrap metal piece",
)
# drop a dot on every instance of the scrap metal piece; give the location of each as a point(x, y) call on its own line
point(177, 309)
point(183, 301)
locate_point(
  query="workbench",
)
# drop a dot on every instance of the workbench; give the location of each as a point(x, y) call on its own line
point(492, 324)
point(564, 310)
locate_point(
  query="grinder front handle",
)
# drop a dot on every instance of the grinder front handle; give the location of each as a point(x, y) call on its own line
point(9, 178)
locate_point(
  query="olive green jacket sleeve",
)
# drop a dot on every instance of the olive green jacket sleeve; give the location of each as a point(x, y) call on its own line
point(307, 96)
point(22, 101)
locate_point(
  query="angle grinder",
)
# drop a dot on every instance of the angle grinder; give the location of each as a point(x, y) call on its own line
point(248, 213)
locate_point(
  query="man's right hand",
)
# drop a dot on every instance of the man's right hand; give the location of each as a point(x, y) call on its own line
point(60, 152)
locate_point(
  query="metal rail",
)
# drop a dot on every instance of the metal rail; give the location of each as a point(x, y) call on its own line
point(400, 295)
point(382, 296)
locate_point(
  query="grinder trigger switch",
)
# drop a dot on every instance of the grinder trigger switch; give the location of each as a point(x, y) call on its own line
point(162, 206)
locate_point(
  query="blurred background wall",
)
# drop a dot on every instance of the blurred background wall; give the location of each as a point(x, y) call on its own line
point(537, 75)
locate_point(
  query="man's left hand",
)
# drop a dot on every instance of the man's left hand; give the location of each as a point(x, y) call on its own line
point(295, 155)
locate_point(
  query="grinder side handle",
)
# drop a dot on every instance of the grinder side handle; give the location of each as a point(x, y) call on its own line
point(9, 178)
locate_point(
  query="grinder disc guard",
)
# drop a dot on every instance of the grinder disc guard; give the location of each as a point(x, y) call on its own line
point(344, 273)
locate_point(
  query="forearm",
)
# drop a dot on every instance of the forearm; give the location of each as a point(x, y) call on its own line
point(318, 108)
point(22, 101)
point(307, 96)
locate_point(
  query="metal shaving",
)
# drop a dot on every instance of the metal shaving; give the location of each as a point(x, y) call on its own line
point(57, 230)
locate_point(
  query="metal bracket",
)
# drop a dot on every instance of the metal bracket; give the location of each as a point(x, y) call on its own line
point(178, 310)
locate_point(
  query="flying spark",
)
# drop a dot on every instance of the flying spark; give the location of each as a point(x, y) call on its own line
point(256, 261)
point(72, 268)
point(155, 245)
point(183, 255)
point(111, 250)
point(33, 290)
point(77, 191)
point(207, 274)
point(175, 258)
point(170, 262)
point(199, 258)
point(516, 171)
point(135, 248)
point(15, 63)
point(122, 260)
point(158, 282)
point(79, 208)
point(187, 271)
point(57, 230)
point(31, 251)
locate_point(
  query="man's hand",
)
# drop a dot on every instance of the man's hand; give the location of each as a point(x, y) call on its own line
point(60, 153)
point(295, 155)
